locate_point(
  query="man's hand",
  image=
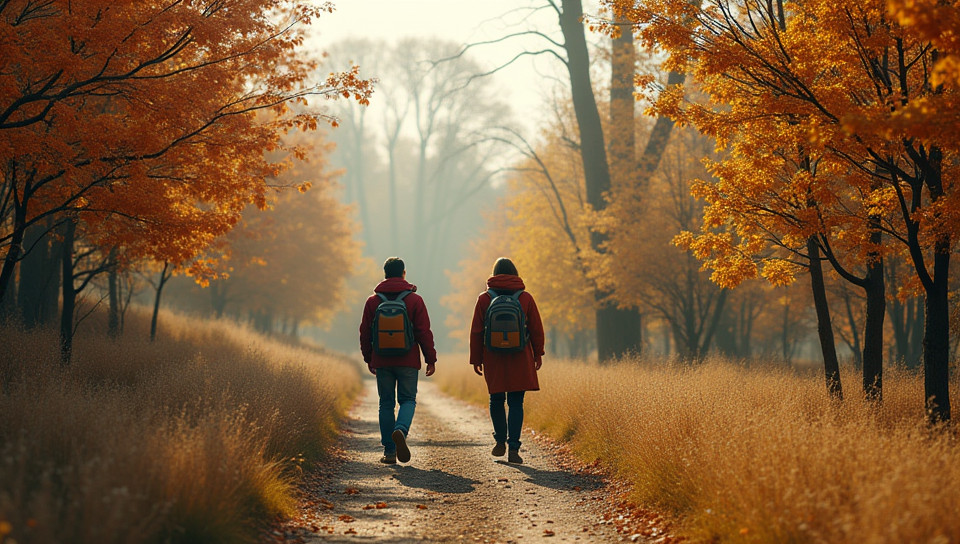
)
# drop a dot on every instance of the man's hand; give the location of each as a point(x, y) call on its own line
point(431, 368)
point(537, 364)
point(478, 368)
point(371, 369)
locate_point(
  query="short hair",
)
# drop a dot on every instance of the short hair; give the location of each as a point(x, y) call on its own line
point(504, 266)
point(393, 267)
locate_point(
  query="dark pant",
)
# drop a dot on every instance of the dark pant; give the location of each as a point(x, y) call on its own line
point(507, 429)
point(396, 385)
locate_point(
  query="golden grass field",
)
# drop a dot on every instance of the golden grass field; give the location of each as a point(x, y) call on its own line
point(760, 455)
point(197, 437)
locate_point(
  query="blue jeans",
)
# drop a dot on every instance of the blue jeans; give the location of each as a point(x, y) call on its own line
point(396, 384)
point(507, 429)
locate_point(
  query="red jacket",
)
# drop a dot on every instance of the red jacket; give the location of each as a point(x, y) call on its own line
point(505, 372)
point(417, 311)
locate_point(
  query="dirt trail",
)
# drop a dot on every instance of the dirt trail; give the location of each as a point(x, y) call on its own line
point(452, 489)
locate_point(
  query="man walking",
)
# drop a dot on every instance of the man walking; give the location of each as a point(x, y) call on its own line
point(394, 330)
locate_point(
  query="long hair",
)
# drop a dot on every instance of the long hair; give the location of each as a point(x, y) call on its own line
point(504, 266)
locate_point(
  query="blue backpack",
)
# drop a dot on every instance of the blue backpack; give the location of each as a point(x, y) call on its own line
point(505, 325)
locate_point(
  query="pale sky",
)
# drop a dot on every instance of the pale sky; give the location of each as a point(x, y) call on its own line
point(461, 21)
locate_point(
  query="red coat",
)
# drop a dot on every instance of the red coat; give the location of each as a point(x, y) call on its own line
point(505, 372)
point(417, 311)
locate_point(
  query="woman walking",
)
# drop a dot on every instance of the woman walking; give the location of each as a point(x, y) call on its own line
point(507, 352)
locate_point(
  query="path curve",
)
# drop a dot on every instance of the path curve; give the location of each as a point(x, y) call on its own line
point(452, 489)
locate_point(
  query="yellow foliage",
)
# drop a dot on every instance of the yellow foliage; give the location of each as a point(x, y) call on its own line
point(723, 448)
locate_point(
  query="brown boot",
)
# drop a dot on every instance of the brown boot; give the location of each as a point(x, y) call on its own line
point(389, 459)
point(514, 457)
point(499, 449)
point(403, 452)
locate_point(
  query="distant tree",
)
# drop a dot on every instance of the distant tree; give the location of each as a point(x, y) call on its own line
point(644, 270)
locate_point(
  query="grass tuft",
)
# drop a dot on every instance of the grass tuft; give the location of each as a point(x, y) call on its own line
point(754, 454)
point(197, 437)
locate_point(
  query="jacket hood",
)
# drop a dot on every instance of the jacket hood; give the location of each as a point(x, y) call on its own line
point(394, 285)
point(505, 281)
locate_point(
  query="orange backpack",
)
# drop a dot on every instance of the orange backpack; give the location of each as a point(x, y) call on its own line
point(392, 328)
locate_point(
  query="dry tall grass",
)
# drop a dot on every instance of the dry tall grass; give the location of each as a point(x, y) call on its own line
point(194, 438)
point(755, 455)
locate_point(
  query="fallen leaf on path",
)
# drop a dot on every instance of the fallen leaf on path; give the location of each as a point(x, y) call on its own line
point(368, 507)
point(346, 518)
point(350, 531)
point(381, 505)
point(422, 506)
point(351, 491)
point(548, 532)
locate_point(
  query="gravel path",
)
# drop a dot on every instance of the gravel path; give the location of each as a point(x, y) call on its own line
point(452, 489)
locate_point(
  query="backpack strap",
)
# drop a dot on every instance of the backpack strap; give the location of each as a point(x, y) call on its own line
point(399, 297)
point(493, 294)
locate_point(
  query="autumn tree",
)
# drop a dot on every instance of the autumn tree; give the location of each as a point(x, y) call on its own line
point(285, 266)
point(618, 328)
point(821, 89)
point(643, 269)
point(288, 265)
point(144, 124)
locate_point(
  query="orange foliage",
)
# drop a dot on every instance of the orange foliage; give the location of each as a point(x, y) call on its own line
point(291, 261)
point(811, 104)
point(149, 120)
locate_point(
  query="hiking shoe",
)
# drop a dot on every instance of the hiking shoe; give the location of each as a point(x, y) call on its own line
point(403, 452)
point(389, 459)
point(499, 449)
point(514, 457)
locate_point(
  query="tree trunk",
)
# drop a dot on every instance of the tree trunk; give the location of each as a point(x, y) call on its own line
point(113, 289)
point(618, 330)
point(18, 229)
point(392, 180)
point(38, 294)
point(898, 321)
point(714, 323)
point(357, 176)
point(936, 339)
point(126, 299)
point(622, 107)
point(156, 301)
point(831, 365)
point(785, 334)
point(915, 327)
point(936, 335)
point(873, 330)
point(747, 318)
point(69, 294)
point(218, 297)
